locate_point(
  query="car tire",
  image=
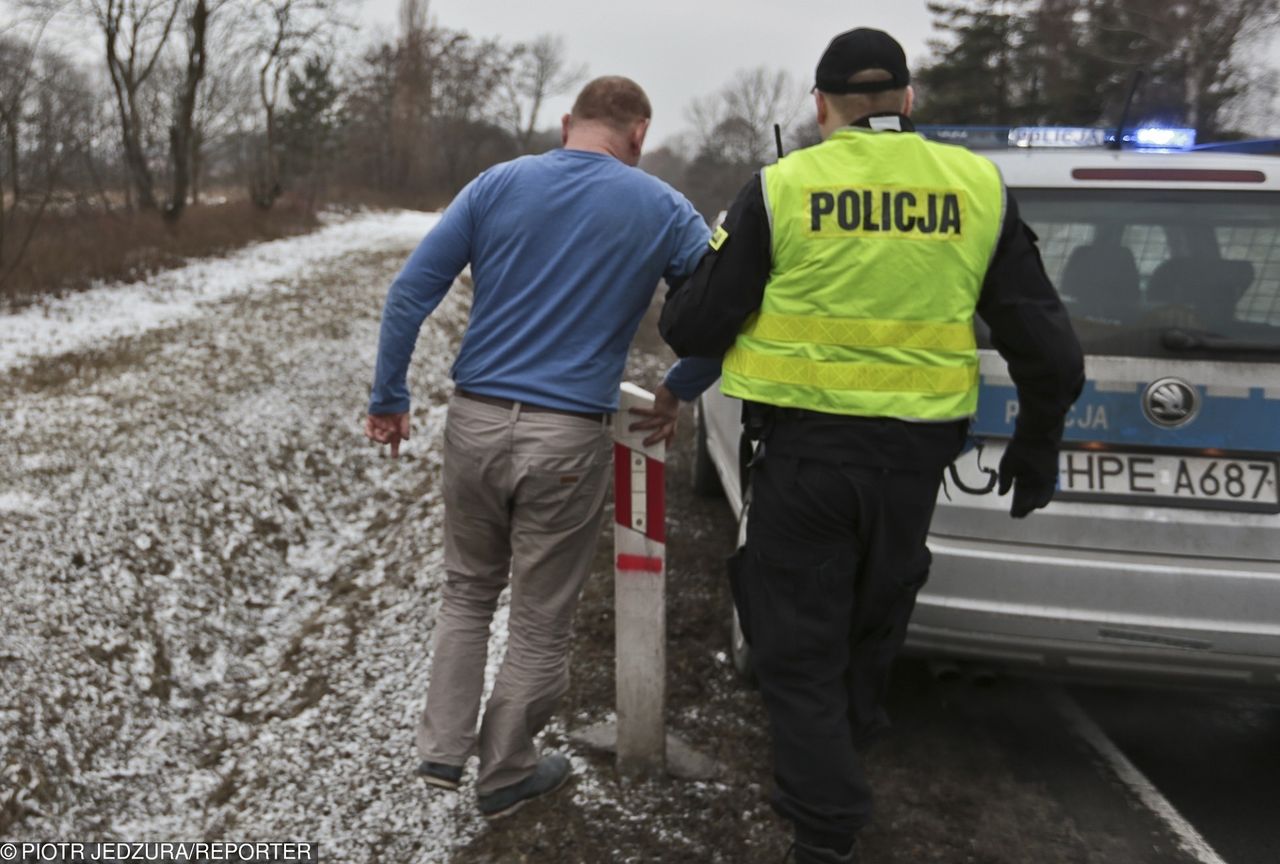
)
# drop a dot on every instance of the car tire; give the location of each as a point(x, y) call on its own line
point(706, 482)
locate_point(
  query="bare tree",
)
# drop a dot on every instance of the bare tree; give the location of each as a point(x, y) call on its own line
point(467, 76)
point(1197, 41)
point(412, 88)
point(540, 71)
point(1255, 108)
point(290, 28)
point(227, 98)
point(15, 70)
point(135, 33)
point(58, 117)
point(18, 54)
point(181, 132)
point(98, 156)
point(736, 122)
point(732, 133)
point(414, 17)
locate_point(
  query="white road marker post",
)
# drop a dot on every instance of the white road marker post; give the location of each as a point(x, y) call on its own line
point(640, 592)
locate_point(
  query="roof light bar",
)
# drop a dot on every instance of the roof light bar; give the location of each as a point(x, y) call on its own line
point(973, 137)
point(1061, 137)
point(1161, 138)
point(1058, 136)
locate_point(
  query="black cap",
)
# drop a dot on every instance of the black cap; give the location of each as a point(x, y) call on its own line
point(857, 51)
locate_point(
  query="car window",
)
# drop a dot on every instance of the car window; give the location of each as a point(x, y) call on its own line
point(1258, 244)
point(1150, 248)
point(1133, 265)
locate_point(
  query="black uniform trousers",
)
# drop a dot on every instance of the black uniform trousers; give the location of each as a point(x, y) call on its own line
point(824, 588)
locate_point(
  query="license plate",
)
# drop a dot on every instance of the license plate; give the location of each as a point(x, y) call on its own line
point(1233, 483)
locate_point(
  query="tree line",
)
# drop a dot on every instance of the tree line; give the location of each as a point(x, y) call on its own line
point(253, 99)
point(1074, 62)
point(1016, 62)
point(135, 107)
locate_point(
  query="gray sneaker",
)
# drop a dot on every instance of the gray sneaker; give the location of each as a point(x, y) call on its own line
point(440, 775)
point(549, 775)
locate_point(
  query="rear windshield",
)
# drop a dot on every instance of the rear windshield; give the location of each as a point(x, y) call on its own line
point(1164, 273)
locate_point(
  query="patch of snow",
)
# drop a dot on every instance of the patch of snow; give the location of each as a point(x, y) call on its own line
point(20, 503)
point(109, 311)
point(220, 598)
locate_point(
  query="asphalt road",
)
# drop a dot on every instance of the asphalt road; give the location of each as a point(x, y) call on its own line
point(1173, 775)
point(1214, 756)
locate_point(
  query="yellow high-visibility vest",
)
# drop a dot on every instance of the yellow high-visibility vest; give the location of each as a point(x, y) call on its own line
point(881, 242)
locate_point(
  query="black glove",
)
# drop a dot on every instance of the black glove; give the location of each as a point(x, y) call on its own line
point(1032, 473)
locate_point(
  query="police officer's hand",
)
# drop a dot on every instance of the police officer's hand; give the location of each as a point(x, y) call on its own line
point(1032, 473)
point(661, 417)
point(388, 429)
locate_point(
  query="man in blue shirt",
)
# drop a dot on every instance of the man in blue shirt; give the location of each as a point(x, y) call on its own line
point(566, 250)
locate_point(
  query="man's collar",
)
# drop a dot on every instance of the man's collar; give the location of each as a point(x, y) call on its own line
point(885, 121)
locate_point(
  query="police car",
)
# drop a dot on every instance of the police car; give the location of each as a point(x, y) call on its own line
point(1159, 558)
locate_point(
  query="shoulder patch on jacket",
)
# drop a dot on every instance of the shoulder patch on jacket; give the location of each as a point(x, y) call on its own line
point(718, 238)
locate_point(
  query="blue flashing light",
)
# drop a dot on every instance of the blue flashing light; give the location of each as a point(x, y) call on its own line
point(1161, 138)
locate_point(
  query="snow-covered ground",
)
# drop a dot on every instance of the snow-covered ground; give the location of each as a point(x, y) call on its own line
point(113, 310)
point(217, 596)
point(216, 602)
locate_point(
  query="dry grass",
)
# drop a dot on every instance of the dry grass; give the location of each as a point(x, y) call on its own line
point(369, 196)
point(70, 252)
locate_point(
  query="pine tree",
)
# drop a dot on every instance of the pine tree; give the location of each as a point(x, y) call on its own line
point(978, 77)
point(1072, 61)
point(309, 127)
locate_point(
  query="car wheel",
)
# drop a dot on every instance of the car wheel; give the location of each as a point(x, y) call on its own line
point(706, 482)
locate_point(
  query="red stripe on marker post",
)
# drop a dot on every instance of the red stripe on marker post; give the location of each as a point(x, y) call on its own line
point(622, 484)
point(639, 564)
point(656, 500)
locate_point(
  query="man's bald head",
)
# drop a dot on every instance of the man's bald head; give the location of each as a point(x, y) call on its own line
point(611, 115)
point(614, 101)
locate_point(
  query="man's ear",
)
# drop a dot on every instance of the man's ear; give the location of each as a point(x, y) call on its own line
point(821, 102)
point(565, 123)
point(638, 133)
point(909, 102)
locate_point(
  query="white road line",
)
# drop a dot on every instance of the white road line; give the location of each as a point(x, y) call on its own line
point(1083, 725)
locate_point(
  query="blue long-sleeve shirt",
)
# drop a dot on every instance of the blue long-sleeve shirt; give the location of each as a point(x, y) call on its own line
point(566, 250)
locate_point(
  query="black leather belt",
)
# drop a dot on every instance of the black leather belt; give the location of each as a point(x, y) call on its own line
point(597, 417)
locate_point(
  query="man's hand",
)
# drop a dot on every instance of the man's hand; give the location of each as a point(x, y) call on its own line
point(388, 429)
point(661, 417)
point(1032, 473)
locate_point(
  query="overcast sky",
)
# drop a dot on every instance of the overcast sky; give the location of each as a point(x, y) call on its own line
point(675, 49)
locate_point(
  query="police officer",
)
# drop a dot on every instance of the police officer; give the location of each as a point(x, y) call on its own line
point(841, 291)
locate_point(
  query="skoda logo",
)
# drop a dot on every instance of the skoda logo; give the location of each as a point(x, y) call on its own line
point(1170, 402)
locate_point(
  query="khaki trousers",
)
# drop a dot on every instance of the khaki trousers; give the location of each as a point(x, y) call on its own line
point(524, 495)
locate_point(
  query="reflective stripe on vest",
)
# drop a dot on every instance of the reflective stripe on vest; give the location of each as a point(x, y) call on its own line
point(881, 242)
point(853, 376)
point(863, 332)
